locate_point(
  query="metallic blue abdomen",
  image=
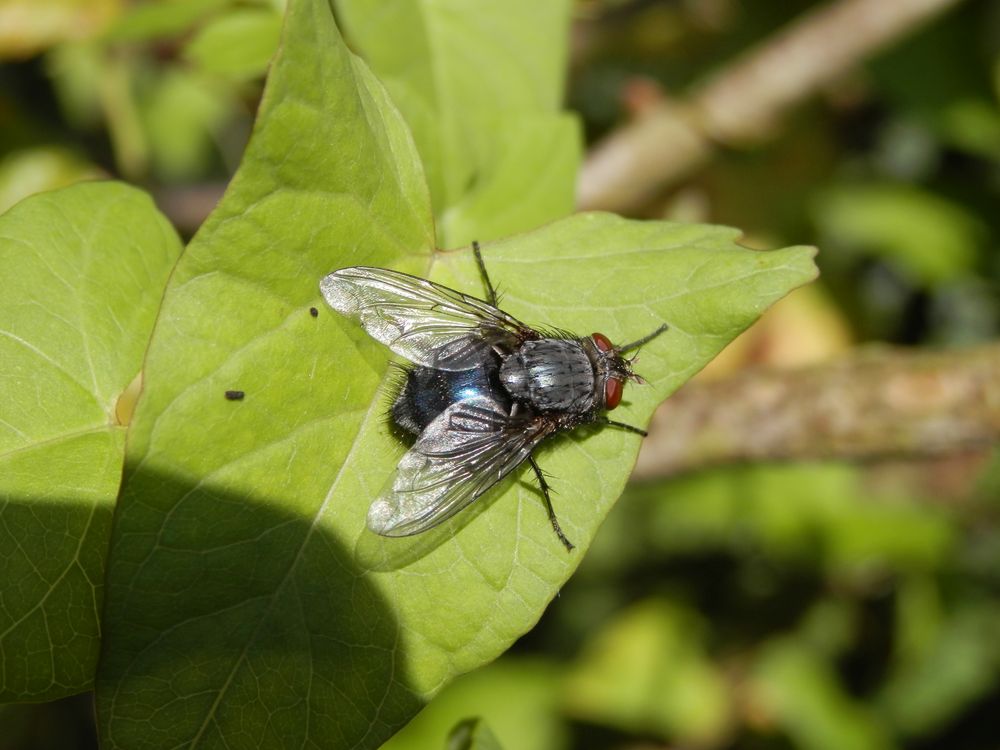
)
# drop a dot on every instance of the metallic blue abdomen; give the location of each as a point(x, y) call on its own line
point(427, 392)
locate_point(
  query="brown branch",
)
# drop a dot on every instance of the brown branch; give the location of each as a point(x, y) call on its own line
point(744, 100)
point(878, 403)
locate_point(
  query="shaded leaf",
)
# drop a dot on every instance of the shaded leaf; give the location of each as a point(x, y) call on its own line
point(182, 113)
point(160, 20)
point(942, 665)
point(800, 692)
point(927, 237)
point(648, 673)
point(819, 511)
point(238, 44)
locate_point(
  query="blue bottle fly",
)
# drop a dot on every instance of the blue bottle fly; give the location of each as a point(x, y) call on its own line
point(483, 390)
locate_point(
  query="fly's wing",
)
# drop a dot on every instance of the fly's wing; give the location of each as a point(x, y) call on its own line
point(428, 324)
point(467, 449)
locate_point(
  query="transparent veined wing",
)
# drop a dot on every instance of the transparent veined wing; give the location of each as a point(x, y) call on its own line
point(467, 449)
point(424, 322)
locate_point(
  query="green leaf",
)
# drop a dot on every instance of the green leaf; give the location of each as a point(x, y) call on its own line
point(924, 235)
point(162, 20)
point(238, 44)
point(799, 690)
point(812, 511)
point(480, 85)
point(472, 734)
point(648, 672)
point(946, 659)
point(247, 604)
point(82, 268)
point(182, 114)
point(517, 698)
point(228, 575)
point(527, 182)
point(35, 170)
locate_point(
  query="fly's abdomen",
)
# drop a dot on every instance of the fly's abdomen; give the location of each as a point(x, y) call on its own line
point(426, 392)
point(551, 375)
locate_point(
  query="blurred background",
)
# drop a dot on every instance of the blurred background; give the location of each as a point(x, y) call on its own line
point(849, 598)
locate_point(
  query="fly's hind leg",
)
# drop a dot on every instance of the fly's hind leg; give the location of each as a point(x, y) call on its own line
point(491, 292)
point(548, 505)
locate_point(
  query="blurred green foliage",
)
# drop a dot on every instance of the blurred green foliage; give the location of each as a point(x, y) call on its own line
point(815, 606)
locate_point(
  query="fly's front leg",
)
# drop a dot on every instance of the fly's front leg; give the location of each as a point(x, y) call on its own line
point(548, 505)
point(621, 426)
point(491, 292)
point(644, 340)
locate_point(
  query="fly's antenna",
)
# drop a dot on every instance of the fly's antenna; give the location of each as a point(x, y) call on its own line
point(644, 340)
point(491, 292)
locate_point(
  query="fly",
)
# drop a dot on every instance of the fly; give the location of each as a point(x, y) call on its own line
point(483, 390)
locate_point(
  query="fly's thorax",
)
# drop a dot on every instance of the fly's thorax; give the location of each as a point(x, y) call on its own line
point(551, 375)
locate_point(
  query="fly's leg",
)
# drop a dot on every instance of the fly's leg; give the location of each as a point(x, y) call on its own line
point(622, 426)
point(491, 292)
point(639, 342)
point(548, 505)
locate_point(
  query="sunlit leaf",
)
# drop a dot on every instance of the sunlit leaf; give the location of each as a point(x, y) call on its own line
point(518, 699)
point(480, 86)
point(247, 603)
point(472, 734)
point(224, 560)
point(83, 270)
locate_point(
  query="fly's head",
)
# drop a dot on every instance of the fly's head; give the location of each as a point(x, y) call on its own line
point(612, 369)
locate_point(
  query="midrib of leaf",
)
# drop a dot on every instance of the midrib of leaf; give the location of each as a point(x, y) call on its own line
point(87, 243)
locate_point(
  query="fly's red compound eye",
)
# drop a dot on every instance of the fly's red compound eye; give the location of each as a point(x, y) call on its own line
point(612, 393)
point(602, 342)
